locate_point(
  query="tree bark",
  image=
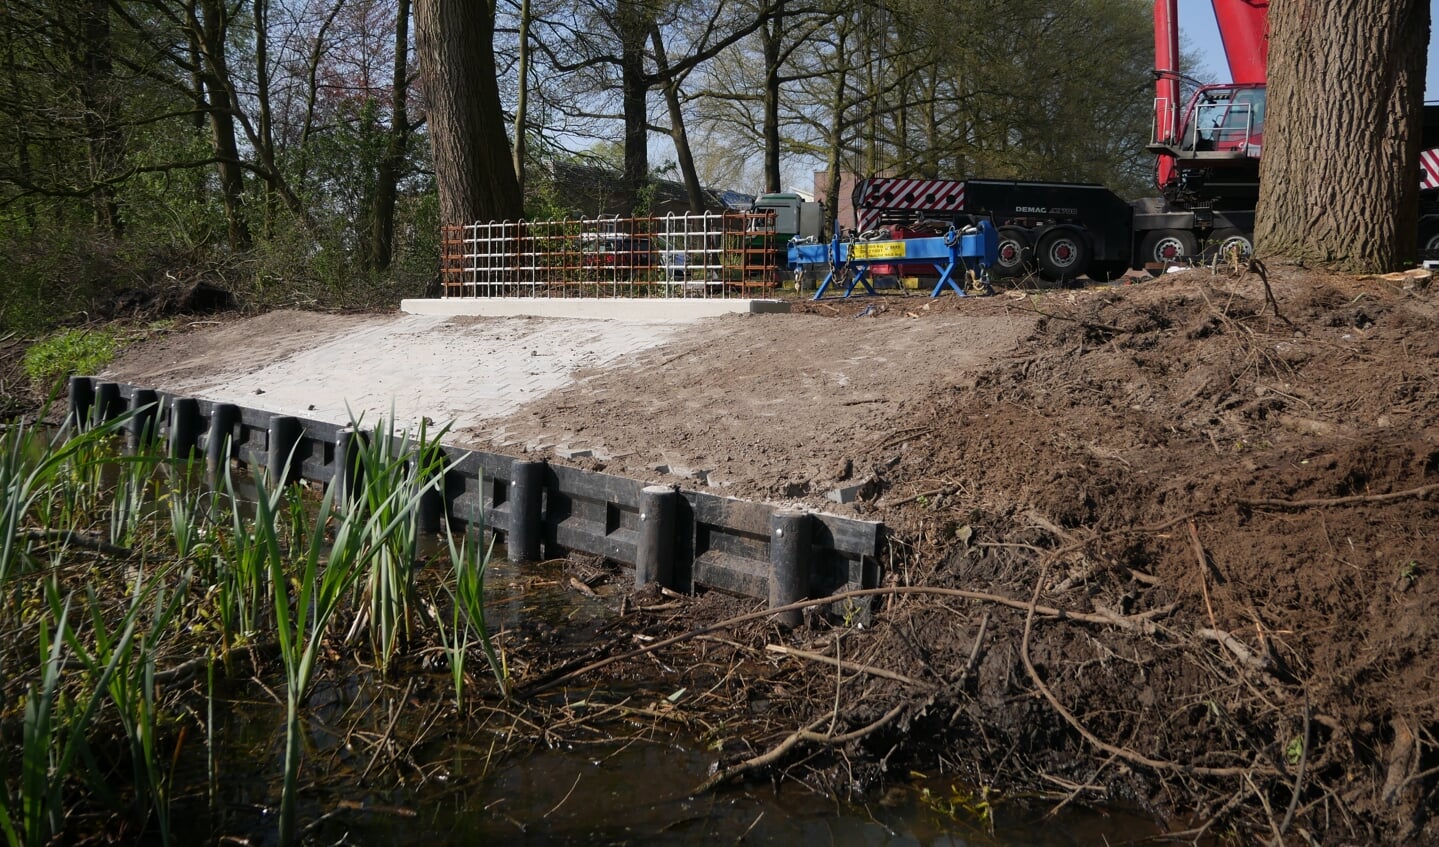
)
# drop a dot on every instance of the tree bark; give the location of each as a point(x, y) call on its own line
point(1339, 175)
point(475, 174)
point(634, 23)
point(522, 96)
point(212, 32)
point(392, 164)
point(694, 193)
point(97, 90)
point(771, 34)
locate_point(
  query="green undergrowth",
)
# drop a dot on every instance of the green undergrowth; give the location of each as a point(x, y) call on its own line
point(127, 575)
point(51, 360)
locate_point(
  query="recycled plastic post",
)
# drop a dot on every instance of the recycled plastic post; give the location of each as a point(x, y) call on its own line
point(82, 401)
point(284, 437)
point(140, 429)
point(218, 446)
point(184, 439)
point(347, 465)
point(430, 511)
point(789, 553)
point(527, 488)
point(655, 549)
point(108, 402)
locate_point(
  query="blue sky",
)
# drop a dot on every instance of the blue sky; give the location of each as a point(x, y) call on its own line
point(1198, 33)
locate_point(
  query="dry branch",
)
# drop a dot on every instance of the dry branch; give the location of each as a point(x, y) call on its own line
point(852, 667)
point(793, 740)
point(1140, 622)
point(1122, 752)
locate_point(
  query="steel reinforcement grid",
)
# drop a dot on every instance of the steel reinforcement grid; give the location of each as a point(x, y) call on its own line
point(679, 538)
point(716, 254)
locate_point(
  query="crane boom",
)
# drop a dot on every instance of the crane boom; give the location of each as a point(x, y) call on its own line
point(1244, 27)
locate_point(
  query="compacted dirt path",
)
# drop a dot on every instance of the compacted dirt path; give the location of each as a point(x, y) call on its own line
point(1171, 545)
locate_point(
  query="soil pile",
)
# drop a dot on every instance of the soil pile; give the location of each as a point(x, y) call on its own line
point(1205, 505)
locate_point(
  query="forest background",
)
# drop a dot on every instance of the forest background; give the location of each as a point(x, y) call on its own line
point(276, 150)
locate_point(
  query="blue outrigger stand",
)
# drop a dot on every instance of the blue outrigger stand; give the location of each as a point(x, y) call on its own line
point(976, 248)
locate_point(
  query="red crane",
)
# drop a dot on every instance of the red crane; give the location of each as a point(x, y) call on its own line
point(1222, 126)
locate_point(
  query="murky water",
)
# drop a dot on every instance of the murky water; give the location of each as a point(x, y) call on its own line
point(456, 787)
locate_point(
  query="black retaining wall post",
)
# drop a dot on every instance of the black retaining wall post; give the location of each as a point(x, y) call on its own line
point(348, 472)
point(430, 511)
point(140, 429)
point(82, 401)
point(108, 402)
point(285, 433)
point(655, 550)
point(789, 552)
point(527, 488)
point(219, 442)
point(184, 428)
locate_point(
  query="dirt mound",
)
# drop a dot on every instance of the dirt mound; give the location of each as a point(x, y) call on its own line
point(1242, 482)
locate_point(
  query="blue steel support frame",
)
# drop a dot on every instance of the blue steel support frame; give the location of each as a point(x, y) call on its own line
point(976, 249)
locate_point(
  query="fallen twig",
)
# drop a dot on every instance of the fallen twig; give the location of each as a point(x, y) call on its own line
point(1094, 740)
point(1421, 491)
point(1140, 621)
point(853, 667)
point(1203, 571)
point(79, 539)
point(793, 740)
point(1238, 648)
point(933, 492)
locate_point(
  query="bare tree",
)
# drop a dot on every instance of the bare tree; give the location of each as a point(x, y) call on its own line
point(392, 164)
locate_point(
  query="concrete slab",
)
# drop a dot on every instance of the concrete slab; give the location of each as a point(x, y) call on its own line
point(456, 370)
point(678, 309)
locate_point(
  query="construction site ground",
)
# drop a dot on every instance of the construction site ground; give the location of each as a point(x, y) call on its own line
point(1194, 517)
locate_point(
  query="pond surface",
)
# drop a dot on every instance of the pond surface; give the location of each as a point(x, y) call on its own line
point(455, 786)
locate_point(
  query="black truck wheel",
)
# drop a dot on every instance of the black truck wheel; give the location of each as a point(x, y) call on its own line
point(1429, 239)
point(1063, 254)
point(1167, 247)
point(1016, 254)
point(1231, 245)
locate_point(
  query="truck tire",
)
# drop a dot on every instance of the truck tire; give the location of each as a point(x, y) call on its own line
point(1231, 245)
point(1016, 253)
point(1063, 254)
point(1167, 247)
point(1429, 239)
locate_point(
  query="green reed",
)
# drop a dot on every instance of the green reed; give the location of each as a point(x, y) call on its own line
point(131, 685)
point(55, 728)
point(397, 471)
point(469, 567)
point(34, 471)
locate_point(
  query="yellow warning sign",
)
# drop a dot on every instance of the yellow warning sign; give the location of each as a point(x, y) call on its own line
point(877, 250)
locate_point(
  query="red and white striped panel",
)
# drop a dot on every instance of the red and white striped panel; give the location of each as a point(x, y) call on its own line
point(883, 194)
point(1429, 164)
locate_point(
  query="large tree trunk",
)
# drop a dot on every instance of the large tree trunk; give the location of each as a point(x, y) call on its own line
point(212, 32)
point(473, 168)
point(694, 193)
point(1339, 178)
point(392, 165)
point(97, 90)
point(634, 22)
point(522, 97)
point(771, 34)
